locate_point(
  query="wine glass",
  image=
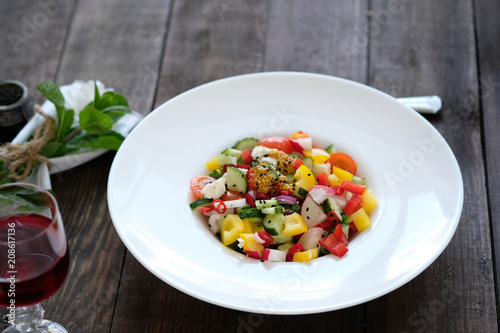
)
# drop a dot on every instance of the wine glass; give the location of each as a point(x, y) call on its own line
point(34, 255)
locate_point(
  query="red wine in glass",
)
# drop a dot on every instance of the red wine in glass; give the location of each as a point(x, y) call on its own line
point(39, 273)
point(34, 256)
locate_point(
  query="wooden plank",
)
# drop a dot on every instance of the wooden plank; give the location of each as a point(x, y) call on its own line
point(488, 34)
point(32, 39)
point(327, 37)
point(428, 47)
point(207, 40)
point(121, 45)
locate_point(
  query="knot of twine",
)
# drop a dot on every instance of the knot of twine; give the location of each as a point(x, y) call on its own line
point(29, 153)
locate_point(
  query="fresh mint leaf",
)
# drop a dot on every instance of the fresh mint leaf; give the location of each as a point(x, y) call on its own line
point(65, 117)
point(14, 199)
point(94, 121)
point(53, 149)
point(111, 140)
point(51, 91)
point(97, 96)
point(116, 111)
point(110, 98)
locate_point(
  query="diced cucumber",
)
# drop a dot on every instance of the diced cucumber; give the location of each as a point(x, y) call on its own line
point(280, 239)
point(294, 207)
point(236, 180)
point(250, 213)
point(235, 246)
point(331, 149)
point(308, 162)
point(231, 152)
point(345, 229)
point(266, 203)
point(274, 224)
point(302, 192)
point(285, 246)
point(289, 179)
point(215, 174)
point(358, 180)
point(294, 155)
point(345, 218)
point(247, 143)
point(256, 219)
point(331, 204)
point(228, 160)
point(195, 205)
point(272, 210)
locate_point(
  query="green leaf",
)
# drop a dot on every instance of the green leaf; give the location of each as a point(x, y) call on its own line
point(53, 149)
point(111, 141)
point(116, 111)
point(94, 121)
point(97, 96)
point(110, 98)
point(51, 91)
point(65, 120)
point(15, 199)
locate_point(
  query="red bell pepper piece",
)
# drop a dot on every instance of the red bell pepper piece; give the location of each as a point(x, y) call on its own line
point(253, 254)
point(265, 236)
point(340, 235)
point(246, 155)
point(325, 225)
point(353, 187)
point(322, 179)
point(333, 245)
point(249, 200)
point(298, 163)
point(291, 251)
point(353, 205)
point(250, 179)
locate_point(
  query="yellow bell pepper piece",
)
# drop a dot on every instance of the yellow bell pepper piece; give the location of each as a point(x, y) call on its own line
point(369, 201)
point(231, 228)
point(294, 225)
point(341, 174)
point(334, 180)
point(250, 243)
point(306, 255)
point(360, 219)
point(305, 178)
point(213, 164)
point(251, 227)
point(318, 155)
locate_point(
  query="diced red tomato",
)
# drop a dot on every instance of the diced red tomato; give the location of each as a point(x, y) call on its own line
point(325, 225)
point(298, 163)
point(250, 179)
point(333, 245)
point(265, 236)
point(291, 251)
point(263, 196)
point(198, 183)
point(354, 204)
point(352, 226)
point(232, 195)
point(246, 155)
point(286, 192)
point(353, 187)
point(343, 161)
point(322, 179)
point(249, 199)
point(279, 143)
point(340, 235)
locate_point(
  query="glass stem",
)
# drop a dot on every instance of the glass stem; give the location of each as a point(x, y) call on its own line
point(26, 319)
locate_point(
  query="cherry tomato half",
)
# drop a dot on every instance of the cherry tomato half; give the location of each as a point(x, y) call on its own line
point(232, 195)
point(198, 183)
point(279, 143)
point(343, 161)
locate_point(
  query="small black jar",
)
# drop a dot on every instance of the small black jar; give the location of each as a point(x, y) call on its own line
point(15, 108)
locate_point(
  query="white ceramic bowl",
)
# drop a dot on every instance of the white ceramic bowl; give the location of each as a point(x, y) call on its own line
point(407, 163)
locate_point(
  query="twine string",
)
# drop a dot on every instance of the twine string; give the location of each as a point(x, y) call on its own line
point(29, 154)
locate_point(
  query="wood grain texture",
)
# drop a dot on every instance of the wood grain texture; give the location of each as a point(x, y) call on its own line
point(337, 46)
point(424, 48)
point(32, 40)
point(119, 43)
point(488, 35)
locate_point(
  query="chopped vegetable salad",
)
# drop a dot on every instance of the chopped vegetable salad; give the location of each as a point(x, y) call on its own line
point(283, 199)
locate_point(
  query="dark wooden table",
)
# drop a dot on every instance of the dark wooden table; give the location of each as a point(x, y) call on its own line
point(153, 50)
